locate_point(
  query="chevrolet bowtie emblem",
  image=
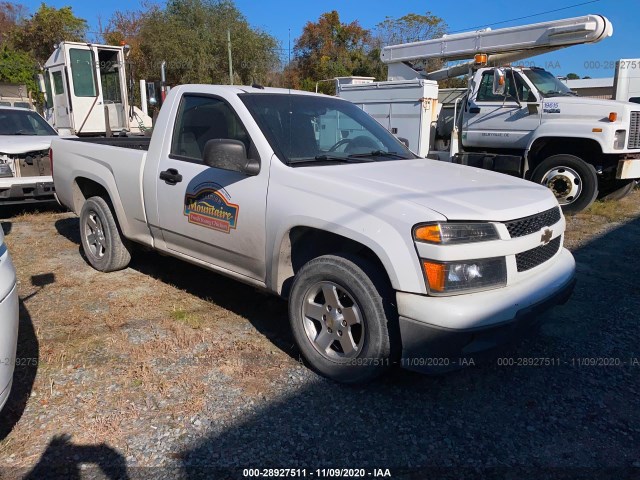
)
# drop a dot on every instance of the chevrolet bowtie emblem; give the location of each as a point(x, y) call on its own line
point(546, 236)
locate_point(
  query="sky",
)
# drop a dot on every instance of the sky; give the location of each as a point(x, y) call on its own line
point(285, 19)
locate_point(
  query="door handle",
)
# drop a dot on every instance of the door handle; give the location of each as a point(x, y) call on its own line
point(171, 176)
point(474, 110)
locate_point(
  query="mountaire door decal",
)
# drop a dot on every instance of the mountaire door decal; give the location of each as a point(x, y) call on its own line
point(209, 207)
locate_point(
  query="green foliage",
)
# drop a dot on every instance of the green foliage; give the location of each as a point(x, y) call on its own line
point(19, 68)
point(410, 28)
point(191, 36)
point(572, 76)
point(47, 27)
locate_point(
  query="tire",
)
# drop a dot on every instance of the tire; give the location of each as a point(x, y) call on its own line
point(103, 244)
point(573, 181)
point(617, 190)
point(343, 318)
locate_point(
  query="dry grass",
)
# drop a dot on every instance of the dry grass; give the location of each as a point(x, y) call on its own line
point(117, 347)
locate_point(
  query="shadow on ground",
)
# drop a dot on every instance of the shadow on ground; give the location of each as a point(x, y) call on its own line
point(24, 376)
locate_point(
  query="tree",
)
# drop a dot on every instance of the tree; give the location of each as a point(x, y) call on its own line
point(191, 36)
point(409, 28)
point(18, 67)
point(573, 76)
point(10, 16)
point(47, 27)
point(328, 49)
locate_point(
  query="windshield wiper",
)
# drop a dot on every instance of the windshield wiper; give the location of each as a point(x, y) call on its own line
point(378, 153)
point(327, 158)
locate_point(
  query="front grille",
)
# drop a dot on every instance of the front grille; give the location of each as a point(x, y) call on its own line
point(537, 256)
point(534, 223)
point(634, 130)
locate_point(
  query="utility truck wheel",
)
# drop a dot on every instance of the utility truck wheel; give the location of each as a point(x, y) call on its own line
point(573, 181)
point(103, 244)
point(343, 319)
point(616, 189)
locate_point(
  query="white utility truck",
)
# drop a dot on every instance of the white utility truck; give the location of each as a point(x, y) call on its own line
point(626, 82)
point(515, 120)
point(87, 92)
point(384, 257)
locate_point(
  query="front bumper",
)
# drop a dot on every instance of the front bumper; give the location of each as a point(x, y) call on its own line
point(27, 192)
point(445, 333)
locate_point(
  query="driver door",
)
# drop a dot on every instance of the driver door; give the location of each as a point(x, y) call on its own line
point(211, 214)
point(496, 121)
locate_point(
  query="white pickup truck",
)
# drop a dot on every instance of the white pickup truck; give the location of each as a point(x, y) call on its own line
point(384, 257)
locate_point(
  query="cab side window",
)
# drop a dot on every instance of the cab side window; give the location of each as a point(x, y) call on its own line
point(201, 119)
point(520, 87)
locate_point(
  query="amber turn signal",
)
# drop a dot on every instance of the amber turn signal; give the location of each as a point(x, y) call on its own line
point(429, 233)
point(436, 275)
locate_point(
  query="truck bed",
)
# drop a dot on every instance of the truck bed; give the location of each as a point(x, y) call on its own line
point(134, 143)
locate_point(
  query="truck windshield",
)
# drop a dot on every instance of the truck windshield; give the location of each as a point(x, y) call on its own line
point(547, 84)
point(23, 122)
point(306, 129)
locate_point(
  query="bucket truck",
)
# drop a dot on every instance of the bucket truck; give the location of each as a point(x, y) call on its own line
point(515, 120)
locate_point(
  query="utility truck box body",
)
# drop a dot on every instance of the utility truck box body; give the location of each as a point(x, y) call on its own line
point(407, 108)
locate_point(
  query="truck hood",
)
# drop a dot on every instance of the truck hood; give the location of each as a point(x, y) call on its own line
point(455, 191)
point(16, 144)
point(597, 107)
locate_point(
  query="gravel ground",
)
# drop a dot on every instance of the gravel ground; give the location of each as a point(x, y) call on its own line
point(166, 370)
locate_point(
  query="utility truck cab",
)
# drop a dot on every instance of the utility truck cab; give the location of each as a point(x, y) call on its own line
point(86, 91)
point(537, 128)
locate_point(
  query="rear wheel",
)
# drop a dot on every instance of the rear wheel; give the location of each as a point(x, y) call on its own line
point(103, 244)
point(342, 318)
point(573, 181)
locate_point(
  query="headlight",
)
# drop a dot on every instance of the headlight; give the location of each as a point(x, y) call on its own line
point(466, 275)
point(620, 136)
point(452, 233)
point(5, 170)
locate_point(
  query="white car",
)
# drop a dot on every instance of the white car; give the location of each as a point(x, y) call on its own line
point(8, 320)
point(25, 169)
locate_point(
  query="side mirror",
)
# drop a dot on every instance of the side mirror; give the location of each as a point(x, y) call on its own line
point(404, 141)
point(228, 154)
point(499, 82)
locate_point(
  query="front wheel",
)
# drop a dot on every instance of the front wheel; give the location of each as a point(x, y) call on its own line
point(342, 318)
point(573, 181)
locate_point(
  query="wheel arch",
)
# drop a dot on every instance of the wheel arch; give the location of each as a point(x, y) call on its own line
point(303, 243)
point(86, 186)
point(586, 149)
